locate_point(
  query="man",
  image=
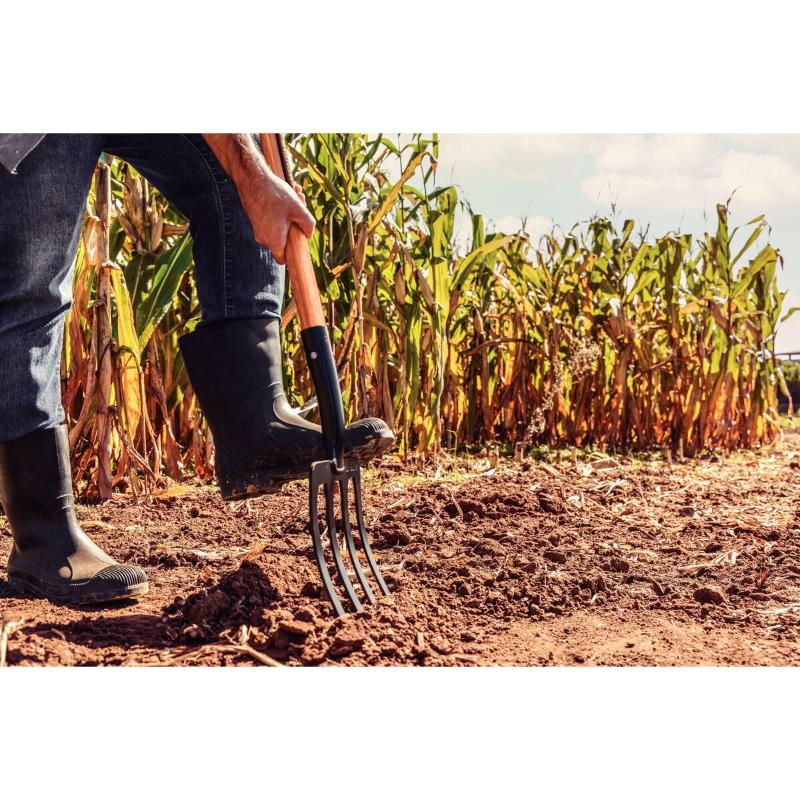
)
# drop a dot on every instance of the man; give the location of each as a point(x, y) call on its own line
point(239, 214)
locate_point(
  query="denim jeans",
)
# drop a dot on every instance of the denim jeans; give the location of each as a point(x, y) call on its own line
point(40, 216)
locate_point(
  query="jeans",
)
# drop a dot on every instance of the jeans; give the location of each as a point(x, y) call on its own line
point(41, 209)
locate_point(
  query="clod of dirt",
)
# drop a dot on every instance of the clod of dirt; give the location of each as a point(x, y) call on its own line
point(658, 588)
point(551, 503)
point(500, 536)
point(488, 547)
point(310, 589)
point(296, 627)
point(307, 614)
point(709, 594)
point(618, 565)
point(469, 509)
point(556, 556)
point(343, 646)
point(238, 599)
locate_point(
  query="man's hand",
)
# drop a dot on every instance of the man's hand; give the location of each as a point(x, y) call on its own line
point(269, 202)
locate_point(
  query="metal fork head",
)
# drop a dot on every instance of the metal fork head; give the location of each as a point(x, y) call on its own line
point(326, 477)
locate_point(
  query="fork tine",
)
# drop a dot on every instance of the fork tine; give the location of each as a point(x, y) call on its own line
point(319, 552)
point(348, 537)
point(337, 555)
point(362, 530)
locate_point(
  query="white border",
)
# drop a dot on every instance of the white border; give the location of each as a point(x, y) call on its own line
point(400, 733)
point(474, 67)
point(615, 66)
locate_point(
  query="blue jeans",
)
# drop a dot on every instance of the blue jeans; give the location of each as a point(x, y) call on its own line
point(40, 216)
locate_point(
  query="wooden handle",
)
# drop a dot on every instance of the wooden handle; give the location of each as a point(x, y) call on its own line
point(298, 258)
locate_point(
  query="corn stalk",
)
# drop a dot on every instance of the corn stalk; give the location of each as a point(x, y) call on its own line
point(595, 336)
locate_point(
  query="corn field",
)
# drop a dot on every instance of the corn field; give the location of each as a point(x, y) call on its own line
point(596, 336)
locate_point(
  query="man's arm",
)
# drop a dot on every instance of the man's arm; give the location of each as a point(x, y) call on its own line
point(268, 200)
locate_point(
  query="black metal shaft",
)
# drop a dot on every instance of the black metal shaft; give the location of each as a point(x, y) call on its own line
point(319, 354)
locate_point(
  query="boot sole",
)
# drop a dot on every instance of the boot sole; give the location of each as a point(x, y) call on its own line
point(269, 480)
point(256, 483)
point(373, 448)
point(74, 596)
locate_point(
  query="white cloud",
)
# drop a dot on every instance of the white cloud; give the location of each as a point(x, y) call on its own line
point(514, 158)
point(784, 144)
point(644, 173)
point(691, 173)
point(766, 179)
point(660, 153)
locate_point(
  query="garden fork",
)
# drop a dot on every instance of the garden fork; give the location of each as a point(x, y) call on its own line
point(335, 472)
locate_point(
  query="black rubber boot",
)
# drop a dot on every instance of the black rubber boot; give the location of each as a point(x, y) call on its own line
point(52, 557)
point(259, 441)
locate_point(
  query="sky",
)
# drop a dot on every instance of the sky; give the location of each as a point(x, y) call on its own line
point(671, 181)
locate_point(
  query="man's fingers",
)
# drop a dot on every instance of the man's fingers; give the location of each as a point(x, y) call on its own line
point(281, 236)
point(304, 221)
point(283, 209)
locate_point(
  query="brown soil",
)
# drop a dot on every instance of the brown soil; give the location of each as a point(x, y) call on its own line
point(597, 561)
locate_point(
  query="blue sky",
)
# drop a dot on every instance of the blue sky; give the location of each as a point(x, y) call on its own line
point(672, 181)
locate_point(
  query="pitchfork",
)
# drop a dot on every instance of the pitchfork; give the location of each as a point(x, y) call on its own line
point(335, 470)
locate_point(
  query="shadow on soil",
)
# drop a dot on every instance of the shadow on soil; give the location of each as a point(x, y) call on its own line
point(237, 598)
point(130, 630)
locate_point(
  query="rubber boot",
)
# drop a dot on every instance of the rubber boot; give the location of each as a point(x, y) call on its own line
point(52, 557)
point(259, 441)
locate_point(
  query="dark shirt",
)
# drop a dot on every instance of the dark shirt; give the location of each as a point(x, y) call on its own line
point(15, 146)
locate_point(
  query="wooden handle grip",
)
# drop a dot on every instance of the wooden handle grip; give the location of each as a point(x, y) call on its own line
point(298, 258)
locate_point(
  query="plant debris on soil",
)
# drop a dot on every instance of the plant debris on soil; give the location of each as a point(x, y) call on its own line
point(597, 560)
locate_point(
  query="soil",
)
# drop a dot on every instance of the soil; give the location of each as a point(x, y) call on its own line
point(590, 561)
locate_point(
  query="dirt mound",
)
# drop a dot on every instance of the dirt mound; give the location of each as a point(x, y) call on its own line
point(310, 634)
point(240, 598)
